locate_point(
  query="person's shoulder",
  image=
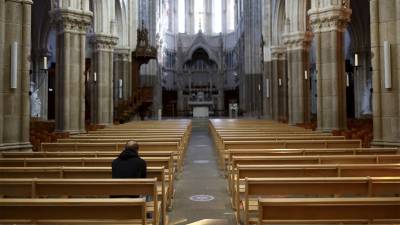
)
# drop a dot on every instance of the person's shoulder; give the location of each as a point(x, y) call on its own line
point(142, 161)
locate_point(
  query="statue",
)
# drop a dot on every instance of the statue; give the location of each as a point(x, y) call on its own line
point(36, 104)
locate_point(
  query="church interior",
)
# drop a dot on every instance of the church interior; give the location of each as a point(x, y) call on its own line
point(245, 111)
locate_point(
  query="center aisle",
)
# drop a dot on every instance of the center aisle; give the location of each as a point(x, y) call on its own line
point(201, 177)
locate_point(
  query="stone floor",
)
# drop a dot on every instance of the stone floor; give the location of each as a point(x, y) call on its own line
point(201, 177)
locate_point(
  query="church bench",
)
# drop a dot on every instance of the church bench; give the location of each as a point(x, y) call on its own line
point(308, 160)
point(165, 162)
point(285, 144)
point(80, 154)
point(85, 173)
point(310, 170)
point(109, 147)
point(297, 152)
point(321, 187)
point(72, 211)
point(329, 210)
point(79, 188)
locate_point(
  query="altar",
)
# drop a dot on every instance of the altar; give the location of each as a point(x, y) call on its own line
point(200, 112)
point(200, 109)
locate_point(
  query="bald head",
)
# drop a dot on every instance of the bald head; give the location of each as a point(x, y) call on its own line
point(132, 145)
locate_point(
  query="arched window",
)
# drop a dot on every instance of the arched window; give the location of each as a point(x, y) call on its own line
point(217, 16)
point(181, 16)
point(199, 15)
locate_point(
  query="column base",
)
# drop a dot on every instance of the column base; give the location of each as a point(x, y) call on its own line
point(385, 143)
point(71, 131)
point(21, 147)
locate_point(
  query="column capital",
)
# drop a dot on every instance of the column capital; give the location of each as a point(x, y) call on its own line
point(332, 18)
point(122, 54)
point(104, 42)
point(298, 40)
point(72, 21)
point(278, 52)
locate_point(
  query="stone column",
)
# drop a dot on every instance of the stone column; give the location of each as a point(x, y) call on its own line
point(70, 69)
point(329, 24)
point(385, 26)
point(122, 70)
point(15, 26)
point(103, 63)
point(277, 82)
point(299, 87)
point(250, 94)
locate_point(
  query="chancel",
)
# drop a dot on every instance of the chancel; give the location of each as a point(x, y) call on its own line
point(245, 111)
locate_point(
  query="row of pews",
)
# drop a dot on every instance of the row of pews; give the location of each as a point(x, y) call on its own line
point(280, 174)
point(69, 181)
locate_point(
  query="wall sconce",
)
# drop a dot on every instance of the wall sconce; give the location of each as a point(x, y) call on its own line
point(388, 65)
point(305, 75)
point(267, 87)
point(347, 80)
point(45, 63)
point(95, 77)
point(120, 85)
point(356, 60)
point(14, 65)
point(279, 81)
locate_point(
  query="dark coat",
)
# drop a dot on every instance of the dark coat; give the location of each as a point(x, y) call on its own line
point(128, 165)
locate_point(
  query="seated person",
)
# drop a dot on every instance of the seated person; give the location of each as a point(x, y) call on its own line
point(128, 164)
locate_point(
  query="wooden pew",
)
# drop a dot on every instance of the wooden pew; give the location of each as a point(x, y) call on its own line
point(313, 187)
point(80, 154)
point(329, 211)
point(92, 162)
point(299, 152)
point(285, 144)
point(85, 173)
point(318, 170)
point(79, 188)
point(73, 211)
point(109, 147)
point(308, 160)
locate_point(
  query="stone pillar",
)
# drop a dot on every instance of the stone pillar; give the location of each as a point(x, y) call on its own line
point(40, 79)
point(385, 26)
point(70, 69)
point(277, 81)
point(180, 103)
point(103, 63)
point(15, 26)
point(329, 24)
point(251, 95)
point(122, 70)
point(298, 87)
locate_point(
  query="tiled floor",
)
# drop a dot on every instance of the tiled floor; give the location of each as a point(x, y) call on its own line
point(201, 177)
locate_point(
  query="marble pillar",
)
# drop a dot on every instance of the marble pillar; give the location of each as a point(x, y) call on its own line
point(103, 105)
point(15, 26)
point(385, 26)
point(329, 24)
point(70, 69)
point(298, 86)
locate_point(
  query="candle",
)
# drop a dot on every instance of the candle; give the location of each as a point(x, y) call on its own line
point(120, 82)
point(95, 77)
point(45, 63)
point(305, 74)
point(347, 80)
point(280, 82)
point(356, 59)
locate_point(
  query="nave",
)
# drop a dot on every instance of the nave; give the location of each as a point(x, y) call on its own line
point(237, 172)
